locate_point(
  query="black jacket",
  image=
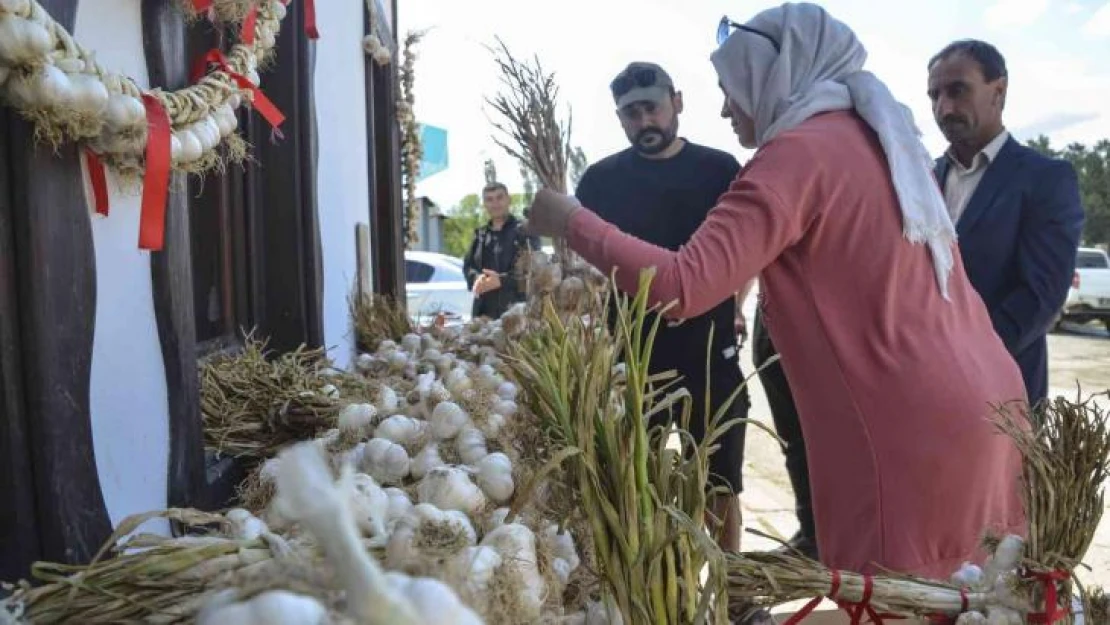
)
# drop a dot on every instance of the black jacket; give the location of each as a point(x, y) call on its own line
point(497, 250)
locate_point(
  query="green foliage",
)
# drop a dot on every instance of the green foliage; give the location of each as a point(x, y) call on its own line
point(1092, 164)
point(466, 216)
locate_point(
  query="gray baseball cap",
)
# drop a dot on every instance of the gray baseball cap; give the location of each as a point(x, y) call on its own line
point(641, 82)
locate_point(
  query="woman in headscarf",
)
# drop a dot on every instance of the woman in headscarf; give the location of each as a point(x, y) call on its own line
point(896, 369)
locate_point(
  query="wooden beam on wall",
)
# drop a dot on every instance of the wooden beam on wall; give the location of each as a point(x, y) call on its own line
point(19, 537)
point(57, 312)
point(171, 274)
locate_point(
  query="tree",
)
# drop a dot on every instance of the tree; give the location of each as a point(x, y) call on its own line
point(1092, 166)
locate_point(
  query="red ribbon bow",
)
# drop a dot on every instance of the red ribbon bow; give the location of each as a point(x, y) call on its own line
point(250, 23)
point(261, 103)
point(98, 181)
point(856, 610)
point(156, 180)
point(1052, 610)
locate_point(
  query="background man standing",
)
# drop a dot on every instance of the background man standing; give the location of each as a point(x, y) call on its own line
point(660, 189)
point(489, 264)
point(1018, 214)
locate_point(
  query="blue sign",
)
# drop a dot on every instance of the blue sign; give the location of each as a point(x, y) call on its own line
point(434, 142)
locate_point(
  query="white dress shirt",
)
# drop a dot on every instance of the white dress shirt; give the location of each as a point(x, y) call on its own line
point(961, 181)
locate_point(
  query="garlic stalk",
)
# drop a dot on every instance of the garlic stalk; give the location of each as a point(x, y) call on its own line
point(309, 496)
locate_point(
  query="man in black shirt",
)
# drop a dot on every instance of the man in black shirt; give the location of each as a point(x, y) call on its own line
point(661, 190)
point(490, 263)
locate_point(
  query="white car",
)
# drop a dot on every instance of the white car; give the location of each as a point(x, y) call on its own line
point(1089, 296)
point(434, 283)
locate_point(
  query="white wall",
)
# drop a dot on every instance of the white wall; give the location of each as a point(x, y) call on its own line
point(130, 420)
point(343, 193)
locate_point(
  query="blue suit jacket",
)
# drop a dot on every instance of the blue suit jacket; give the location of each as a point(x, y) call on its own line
point(1018, 238)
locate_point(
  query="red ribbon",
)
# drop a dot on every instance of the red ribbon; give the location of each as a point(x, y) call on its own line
point(965, 605)
point(261, 103)
point(98, 181)
point(310, 19)
point(1052, 611)
point(856, 610)
point(156, 180)
point(250, 24)
point(202, 5)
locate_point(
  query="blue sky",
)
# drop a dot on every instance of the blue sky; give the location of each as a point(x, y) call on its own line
point(1057, 51)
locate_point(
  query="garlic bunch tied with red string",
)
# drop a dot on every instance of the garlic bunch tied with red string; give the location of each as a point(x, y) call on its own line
point(52, 80)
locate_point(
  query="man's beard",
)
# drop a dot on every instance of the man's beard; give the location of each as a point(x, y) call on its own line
point(652, 141)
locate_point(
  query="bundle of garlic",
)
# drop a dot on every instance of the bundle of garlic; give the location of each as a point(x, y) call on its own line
point(52, 80)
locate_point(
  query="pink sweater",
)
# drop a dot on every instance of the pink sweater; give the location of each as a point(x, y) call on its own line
point(894, 385)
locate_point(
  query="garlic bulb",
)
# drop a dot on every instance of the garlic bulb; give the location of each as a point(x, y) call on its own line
point(471, 444)
point(399, 505)
point(505, 407)
point(364, 362)
point(431, 355)
point(496, 519)
point(357, 420)
point(495, 477)
point(426, 460)
point(401, 429)
point(507, 391)
point(447, 420)
point(225, 119)
point(971, 618)
point(517, 546)
point(492, 427)
point(175, 148)
point(22, 41)
point(243, 525)
point(968, 576)
point(398, 360)
point(450, 488)
point(411, 343)
point(423, 527)
point(89, 96)
point(385, 461)
point(18, 7)
point(278, 9)
point(369, 506)
point(997, 615)
point(564, 557)
point(50, 87)
point(457, 381)
point(472, 569)
point(432, 600)
point(272, 607)
point(388, 401)
point(487, 377)
point(190, 146)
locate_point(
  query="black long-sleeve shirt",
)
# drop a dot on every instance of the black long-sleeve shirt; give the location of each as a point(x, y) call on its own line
point(497, 250)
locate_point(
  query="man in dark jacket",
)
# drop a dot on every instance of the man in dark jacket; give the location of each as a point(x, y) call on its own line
point(1018, 213)
point(490, 263)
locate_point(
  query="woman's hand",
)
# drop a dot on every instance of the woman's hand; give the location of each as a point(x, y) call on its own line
point(550, 213)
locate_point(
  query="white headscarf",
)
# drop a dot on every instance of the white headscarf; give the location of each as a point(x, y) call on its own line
point(819, 68)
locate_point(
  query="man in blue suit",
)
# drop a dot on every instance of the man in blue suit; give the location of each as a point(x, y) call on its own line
point(1018, 215)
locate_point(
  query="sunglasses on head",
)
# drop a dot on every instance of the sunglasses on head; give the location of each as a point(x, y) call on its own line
point(636, 78)
point(726, 26)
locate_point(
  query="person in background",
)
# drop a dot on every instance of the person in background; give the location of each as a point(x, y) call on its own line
point(893, 362)
point(1017, 212)
point(490, 263)
point(660, 189)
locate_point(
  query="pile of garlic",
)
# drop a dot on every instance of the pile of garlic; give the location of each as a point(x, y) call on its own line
point(429, 486)
point(50, 78)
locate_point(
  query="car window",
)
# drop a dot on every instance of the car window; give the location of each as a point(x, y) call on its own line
point(417, 271)
point(446, 272)
point(1091, 260)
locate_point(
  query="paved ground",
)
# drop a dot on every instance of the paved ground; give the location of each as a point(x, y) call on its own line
point(1079, 355)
